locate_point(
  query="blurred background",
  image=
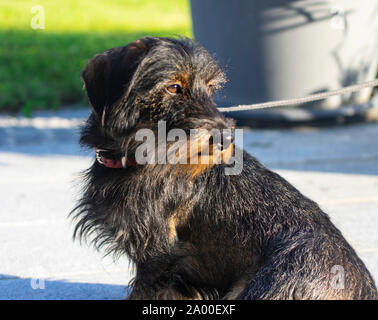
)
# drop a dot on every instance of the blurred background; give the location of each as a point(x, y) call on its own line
point(270, 49)
point(40, 68)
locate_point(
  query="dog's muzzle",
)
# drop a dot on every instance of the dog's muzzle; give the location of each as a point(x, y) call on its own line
point(116, 163)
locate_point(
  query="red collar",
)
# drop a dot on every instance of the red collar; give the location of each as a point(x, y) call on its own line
point(113, 163)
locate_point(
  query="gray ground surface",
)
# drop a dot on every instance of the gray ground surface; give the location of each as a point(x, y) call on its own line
point(40, 162)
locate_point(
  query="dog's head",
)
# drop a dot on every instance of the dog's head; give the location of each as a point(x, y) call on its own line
point(147, 81)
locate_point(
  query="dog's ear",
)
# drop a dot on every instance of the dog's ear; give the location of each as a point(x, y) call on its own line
point(95, 77)
point(107, 75)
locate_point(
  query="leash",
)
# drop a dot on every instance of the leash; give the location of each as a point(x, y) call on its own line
point(123, 162)
point(296, 101)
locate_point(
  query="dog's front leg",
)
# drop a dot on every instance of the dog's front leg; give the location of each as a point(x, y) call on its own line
point(164, 278)
point(155, 284)
point(168, 293)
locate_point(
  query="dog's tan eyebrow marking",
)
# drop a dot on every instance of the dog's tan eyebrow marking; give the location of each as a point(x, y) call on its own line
point(182, 78)
point(138, 45)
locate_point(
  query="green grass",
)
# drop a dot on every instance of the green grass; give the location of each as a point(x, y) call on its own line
point(40, 69)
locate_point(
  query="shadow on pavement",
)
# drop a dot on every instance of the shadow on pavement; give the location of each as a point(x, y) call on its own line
point(15, 288)
point(47, 133)
point(351, 149)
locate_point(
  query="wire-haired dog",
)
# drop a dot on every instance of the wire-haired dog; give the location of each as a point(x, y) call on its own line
point(192, 231)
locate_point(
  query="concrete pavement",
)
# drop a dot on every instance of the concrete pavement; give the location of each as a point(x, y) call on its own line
point(40, 162)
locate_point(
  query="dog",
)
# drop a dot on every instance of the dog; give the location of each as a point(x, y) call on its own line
point(190, 230)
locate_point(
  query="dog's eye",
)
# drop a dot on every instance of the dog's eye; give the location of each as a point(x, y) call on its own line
point(173, 89)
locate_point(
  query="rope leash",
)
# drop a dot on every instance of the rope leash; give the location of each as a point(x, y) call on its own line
point(310, 98)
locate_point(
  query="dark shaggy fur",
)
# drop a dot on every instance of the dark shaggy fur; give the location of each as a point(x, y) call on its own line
point(192, 231)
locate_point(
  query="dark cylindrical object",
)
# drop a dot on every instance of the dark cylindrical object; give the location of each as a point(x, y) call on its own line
point(280, 49)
